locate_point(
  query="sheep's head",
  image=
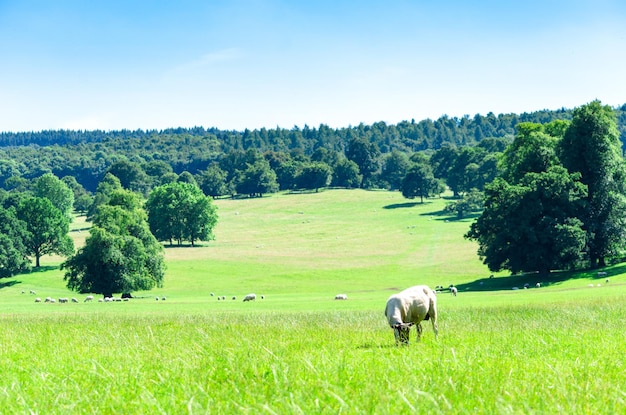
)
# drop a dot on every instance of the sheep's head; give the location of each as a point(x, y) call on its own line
point(401, 332)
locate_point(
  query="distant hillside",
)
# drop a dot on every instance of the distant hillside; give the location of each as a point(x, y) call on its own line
point(86, 155)
point(404, 136)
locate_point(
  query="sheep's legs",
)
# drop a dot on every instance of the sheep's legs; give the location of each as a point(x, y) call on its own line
point(419, 331)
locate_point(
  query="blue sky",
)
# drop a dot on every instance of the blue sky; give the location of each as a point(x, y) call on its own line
point(266, 63)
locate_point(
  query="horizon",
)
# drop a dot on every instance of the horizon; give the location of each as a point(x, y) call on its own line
point(252, 64)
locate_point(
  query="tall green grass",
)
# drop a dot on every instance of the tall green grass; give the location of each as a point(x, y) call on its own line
point(556, 349)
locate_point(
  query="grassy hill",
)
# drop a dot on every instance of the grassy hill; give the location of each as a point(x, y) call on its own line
point(550, 350)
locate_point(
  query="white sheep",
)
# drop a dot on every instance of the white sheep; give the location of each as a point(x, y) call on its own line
point(538, 285)
point(454, 291)
point(410, 307)
point(250, 297)
point(37, 300)
point(88, 298)
point(74, 300)
point(341, 297)
point(33, 292)
point(234, 297)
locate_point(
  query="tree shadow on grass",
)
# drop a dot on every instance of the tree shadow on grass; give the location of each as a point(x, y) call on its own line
point(530, 280)
point(6, 284)
point(43, 268)
point(403, 205)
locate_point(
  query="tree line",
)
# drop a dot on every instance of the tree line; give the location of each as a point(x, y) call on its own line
point(87, 155)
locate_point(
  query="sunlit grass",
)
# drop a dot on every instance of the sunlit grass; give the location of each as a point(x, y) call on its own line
point(555, 349)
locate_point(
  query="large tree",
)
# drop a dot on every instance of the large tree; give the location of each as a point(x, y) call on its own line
point(13, 252)
point(531, 226)
point(591, 146)
point(120, 255)
point(57, 191)
point(47, 228)
point(420, 182)
point(181, 212)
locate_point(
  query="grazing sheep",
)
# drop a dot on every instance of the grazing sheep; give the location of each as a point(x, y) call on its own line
point(48, 300)
point(212, 294)
point(74, 300)
point(250, 297)
point(538, 285)
point(262, 297)
point(37, 300)
point(341, 297)
point(163, 298)
point(234, 297)
point(526, 286)
point(88, 298)
point(410, 307)
point(454, 291)
point(156, 298)
point(33, 292)
point(63, 300)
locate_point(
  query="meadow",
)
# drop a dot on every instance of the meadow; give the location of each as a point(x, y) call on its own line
point(555, 349)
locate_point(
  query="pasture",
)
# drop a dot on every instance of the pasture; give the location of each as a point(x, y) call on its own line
point(556, 349)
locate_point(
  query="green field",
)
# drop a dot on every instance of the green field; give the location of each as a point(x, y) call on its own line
point(556, 349)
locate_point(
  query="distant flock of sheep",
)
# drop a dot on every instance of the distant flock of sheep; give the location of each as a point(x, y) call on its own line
point(403, 310)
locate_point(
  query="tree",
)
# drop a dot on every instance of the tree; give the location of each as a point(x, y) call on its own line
point(346, 174)
point(395, 166)
point(105, 188)
point(419, 181)
point(314, 176)
point(57, 191)
point(258, 178)
point(13, 252)
point(212, 181)
point(47, 228)
point(365, 155)
point(591, 146)
point(532, 150)
point(82, 198)
point(131, 175)
point(181, 212)
point(120, 255)
point(531, 226)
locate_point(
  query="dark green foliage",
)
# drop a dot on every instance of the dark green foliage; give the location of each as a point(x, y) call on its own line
point(13, 252)
point(57, 191)
point(420, 182)
point(314, 176)
point(256, 179)
point(531, 226)
point(591, 146)
point(120, 255)
point(181, 212)
point(47, 228)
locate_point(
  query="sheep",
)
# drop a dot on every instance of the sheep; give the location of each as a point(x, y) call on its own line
point(454, 291)
point(262, 297)
point(249, 297)
point(341, 297)
point(88, 298)
point(33, 292)
point(234, 297)
point(63, 300)
point(37, 300)
point(163, 298)
point(74, 300)
point(48, 300)
point(410, 307)
point(538, 285)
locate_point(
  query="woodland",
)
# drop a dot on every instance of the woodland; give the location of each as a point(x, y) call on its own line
point(88, 155)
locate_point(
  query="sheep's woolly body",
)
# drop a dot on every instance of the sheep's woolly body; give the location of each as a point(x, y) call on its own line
point(410, 307)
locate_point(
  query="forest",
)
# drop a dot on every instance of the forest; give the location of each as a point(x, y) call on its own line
point(88, 155)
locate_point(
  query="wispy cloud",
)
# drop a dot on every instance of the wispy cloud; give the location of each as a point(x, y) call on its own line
point(210, 59)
